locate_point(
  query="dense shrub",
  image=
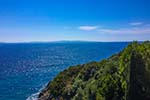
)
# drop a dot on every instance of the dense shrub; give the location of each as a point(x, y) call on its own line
point(124, 76)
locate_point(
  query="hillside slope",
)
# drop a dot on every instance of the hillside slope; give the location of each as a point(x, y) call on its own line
point(124, 76)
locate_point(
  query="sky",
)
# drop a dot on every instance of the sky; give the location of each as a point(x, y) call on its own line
point(87, 20)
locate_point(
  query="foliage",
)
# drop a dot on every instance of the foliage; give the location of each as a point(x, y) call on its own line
point(124, 76)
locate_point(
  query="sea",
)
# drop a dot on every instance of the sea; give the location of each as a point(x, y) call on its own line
point(26, 68)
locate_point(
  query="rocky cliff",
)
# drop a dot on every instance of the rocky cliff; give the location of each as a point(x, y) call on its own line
point(123, 76)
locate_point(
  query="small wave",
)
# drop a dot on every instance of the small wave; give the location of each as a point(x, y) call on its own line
point(35, 95)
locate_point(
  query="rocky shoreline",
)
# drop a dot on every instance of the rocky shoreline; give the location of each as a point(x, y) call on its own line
point(123, 76)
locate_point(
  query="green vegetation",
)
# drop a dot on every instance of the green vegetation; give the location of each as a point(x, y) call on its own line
point(124, 76)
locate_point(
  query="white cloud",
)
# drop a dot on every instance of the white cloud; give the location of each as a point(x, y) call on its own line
point(144, 30)
point(136, 23)
point(88, 28)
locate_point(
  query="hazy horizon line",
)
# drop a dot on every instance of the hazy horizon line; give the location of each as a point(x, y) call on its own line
point(59, 41)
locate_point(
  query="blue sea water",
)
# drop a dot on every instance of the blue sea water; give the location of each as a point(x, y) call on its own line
point(26, 67)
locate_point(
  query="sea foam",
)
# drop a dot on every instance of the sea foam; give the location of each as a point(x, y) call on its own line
point(35, 95)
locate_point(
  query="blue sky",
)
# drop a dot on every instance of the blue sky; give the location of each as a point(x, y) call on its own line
point(88, 20)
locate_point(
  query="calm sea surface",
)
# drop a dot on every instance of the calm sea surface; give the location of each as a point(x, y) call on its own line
point(26, 67)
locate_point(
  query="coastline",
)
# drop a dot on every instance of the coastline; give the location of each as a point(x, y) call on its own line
point(34, 96)
point(112, 78)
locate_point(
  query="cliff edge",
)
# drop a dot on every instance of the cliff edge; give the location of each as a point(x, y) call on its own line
point(123, 76)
